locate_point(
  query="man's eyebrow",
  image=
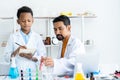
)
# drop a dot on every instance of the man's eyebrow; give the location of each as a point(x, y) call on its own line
point(58, 27)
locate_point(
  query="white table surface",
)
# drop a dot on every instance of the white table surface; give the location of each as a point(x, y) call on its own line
point(62, 78)
point(58, 78)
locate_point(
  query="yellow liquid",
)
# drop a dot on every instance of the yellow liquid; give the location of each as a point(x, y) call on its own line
point(79, 76)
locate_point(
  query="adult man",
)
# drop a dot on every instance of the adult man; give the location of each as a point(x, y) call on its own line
point(69, 49)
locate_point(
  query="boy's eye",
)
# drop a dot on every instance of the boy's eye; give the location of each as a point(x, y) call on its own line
point(26, 21)
point(23, 21)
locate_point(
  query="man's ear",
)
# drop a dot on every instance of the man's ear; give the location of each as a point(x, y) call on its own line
point(32, 20)
point(69, 27)
point(18, 22)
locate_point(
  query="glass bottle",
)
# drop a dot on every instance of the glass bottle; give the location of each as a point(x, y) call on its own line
point(13, 71)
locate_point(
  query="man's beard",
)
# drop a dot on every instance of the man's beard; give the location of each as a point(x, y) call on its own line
point(59, 37)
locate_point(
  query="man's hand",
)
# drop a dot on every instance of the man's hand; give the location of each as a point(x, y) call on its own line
point(48, 61)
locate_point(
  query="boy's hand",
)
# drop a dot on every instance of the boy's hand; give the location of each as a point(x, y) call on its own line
point(28, 55)
point(34, 59)
point(17, 50)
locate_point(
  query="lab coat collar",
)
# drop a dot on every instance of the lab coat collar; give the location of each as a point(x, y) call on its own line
point(26, 37)
point(23, 34)
point(18, 33)
point(69, 41)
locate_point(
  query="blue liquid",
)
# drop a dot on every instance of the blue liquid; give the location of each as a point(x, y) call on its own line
point(13, 73)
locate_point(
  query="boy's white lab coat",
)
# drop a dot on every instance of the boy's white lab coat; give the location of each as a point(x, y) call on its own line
point(65, 66)
point(35, 41)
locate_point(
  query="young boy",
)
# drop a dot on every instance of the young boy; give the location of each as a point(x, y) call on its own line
point(25, 38)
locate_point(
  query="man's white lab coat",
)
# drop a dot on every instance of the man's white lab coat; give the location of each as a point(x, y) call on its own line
point(35, 42)
point(65, 66)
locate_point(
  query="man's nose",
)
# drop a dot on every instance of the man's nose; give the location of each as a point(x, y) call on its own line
point(57, 31)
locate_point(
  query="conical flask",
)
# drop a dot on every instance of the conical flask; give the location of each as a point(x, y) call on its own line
point(79, 75)
point(13, 71)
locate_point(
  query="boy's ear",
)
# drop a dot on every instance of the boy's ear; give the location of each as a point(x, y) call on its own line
point(18, 22)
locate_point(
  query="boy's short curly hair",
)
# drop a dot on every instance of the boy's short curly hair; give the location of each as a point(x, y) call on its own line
point(23, 10)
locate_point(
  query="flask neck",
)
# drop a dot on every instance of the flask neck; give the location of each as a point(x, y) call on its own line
point(13, 62)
